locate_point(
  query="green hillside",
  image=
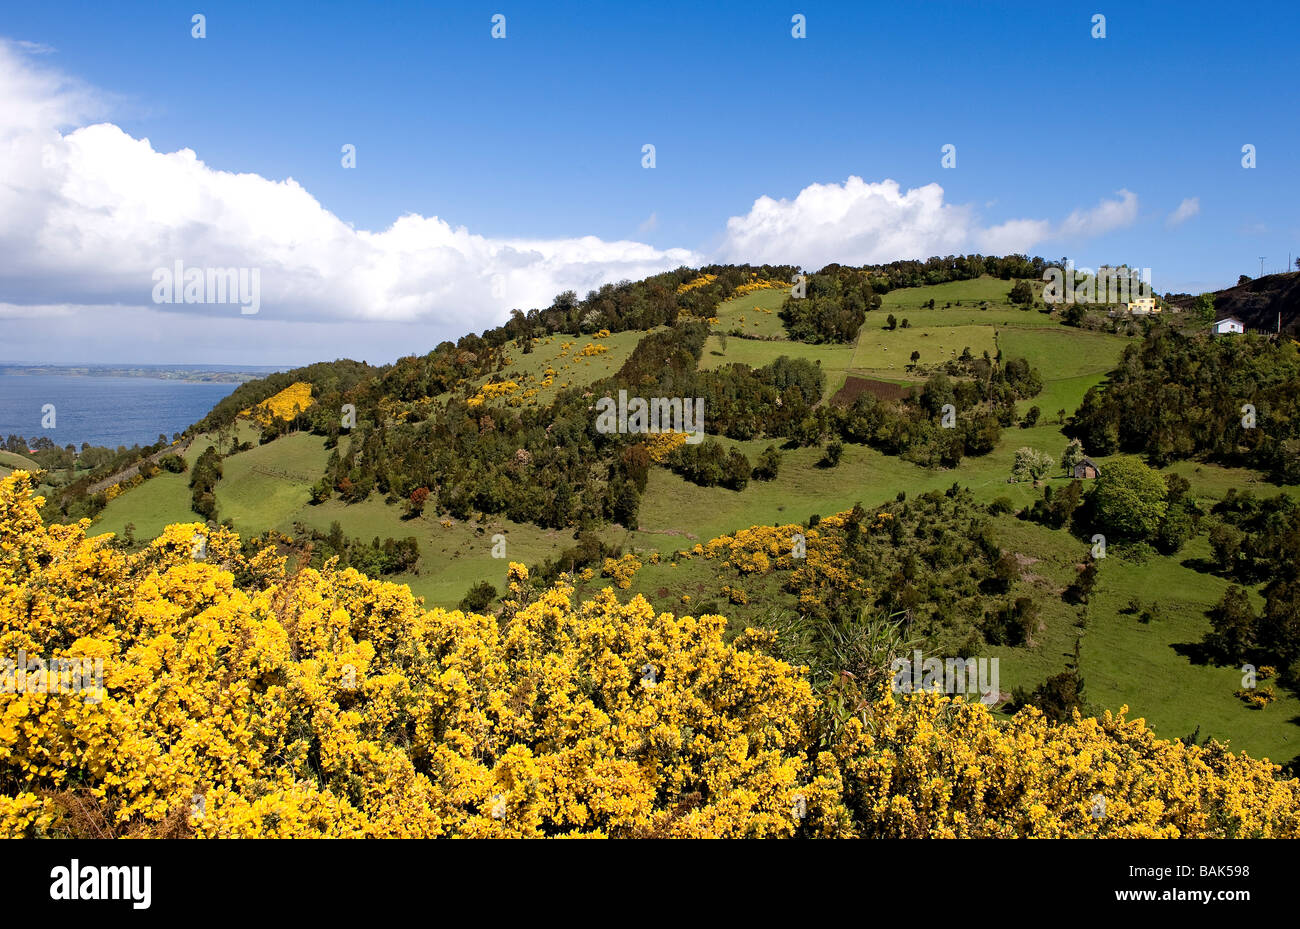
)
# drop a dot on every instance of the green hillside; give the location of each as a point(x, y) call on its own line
point(1151, 666)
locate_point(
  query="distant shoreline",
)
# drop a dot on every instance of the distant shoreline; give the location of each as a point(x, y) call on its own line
point(198, 374)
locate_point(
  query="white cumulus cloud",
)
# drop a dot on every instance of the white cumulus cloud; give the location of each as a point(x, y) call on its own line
point(1186, 210)
point(856, 222)
point(87, 214)
point(859, 222)
point(1104, 217)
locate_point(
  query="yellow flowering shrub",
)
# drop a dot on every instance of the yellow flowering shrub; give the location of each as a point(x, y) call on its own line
point(662, 444)
point(283, 406)
point(241, 698)
point(325, 703)
point(704, 280)
point(1256, 699)
point(820, 573)
point(621, 569)
point(933, 766)
point(492, 391)
point(750, 287)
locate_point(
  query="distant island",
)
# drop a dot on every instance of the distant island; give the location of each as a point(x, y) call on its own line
point(212, 374)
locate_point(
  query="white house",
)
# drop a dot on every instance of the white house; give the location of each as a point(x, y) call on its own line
point(1228, 325)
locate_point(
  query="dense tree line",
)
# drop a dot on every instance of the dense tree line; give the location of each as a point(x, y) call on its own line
point(832, 308)
point(742, 402)
point(1234, 400)
point(203, 483)
point(710, 464)
point(1258, 540)
point(935, 270)
point(551, 465)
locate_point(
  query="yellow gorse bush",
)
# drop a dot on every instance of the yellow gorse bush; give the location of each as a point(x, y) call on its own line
point(819, 571)
point(704, 280)
point(242, 699)
point(492, 391)
point(756, 285)
point(622, 570)
point(933, 766)
point(660, 445)
point(326, 703)
point(283, 406)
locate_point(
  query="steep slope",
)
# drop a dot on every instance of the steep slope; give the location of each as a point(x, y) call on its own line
point(1259, 303)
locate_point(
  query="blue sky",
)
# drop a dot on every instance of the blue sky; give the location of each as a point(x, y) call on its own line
point(538, 137)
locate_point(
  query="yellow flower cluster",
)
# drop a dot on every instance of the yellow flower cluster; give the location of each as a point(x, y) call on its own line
point(283, 406)
point(592, 349)
point(937, 767)
point(662, 444)
point(492, 391)
point(622, 570)
point(1256, 699)
point(756, 285)
point(325, 703)
point(704, 280)
point(818, 569)
point(735, 595)
point(241, 698)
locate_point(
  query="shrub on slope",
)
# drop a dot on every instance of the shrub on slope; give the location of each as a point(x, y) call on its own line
point(240, 699)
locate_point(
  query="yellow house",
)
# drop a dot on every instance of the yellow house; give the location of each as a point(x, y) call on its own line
point(1142, 306)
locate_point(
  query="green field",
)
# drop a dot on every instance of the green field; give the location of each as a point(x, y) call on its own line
point(264, 487)
point(10, 462)
point(908, 303)
point(164, 499)
point(755, 314)
point(885, 353)
point(159, 502)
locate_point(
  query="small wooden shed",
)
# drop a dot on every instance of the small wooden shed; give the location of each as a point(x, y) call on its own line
point(1087, 469)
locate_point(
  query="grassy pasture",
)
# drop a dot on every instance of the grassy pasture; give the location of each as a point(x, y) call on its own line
point(757, 314)
point(10, 461)
point(263, 487)
point(885, 353)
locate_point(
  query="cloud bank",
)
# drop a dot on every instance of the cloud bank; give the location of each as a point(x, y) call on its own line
point(87, 213)
point(86, 217)
point(858, 222)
